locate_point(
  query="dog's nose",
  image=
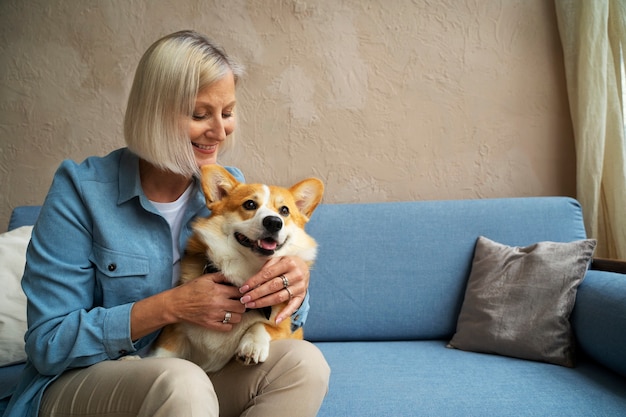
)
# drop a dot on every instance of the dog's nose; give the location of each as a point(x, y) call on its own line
point(272, 223)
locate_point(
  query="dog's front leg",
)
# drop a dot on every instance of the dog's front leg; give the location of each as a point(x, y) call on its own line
point(254, 346)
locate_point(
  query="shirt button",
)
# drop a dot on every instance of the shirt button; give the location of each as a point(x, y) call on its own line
point(297, 318)
point(112, 267)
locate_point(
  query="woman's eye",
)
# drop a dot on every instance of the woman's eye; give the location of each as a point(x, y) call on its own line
point(204, 116)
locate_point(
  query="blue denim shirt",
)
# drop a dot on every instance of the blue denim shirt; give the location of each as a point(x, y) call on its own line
point(98, 246)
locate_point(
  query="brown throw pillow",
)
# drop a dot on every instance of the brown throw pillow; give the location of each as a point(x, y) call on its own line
point(519, 299)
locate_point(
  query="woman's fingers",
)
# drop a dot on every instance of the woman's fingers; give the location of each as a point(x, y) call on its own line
point(207, 302)
point(280, 280)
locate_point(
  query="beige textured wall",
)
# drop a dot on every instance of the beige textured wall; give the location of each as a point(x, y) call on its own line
point(382, 99)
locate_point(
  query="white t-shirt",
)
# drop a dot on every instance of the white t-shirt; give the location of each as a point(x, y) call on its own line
point(174, 212)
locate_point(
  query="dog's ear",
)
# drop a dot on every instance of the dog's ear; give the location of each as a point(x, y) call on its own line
point(216, 182)
point(308, 194)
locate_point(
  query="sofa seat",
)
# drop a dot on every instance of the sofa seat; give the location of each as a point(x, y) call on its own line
point(424, 378)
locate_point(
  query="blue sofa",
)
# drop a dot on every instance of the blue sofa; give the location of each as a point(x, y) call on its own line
point(386, 293)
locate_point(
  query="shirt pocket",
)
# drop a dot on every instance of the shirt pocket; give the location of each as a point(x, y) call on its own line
point(121, 277)
point(117, 264)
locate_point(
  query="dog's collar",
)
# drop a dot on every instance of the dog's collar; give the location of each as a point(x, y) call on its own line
point(210, 268)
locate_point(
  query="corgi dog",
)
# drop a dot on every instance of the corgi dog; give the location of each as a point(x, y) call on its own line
point(248, 224)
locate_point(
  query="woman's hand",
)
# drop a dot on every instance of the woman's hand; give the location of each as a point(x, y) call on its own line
point(205, 301)
point(280, 280)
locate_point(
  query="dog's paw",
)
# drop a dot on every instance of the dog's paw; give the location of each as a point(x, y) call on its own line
point(252, 353)
point(129, 358)
point(254, 347)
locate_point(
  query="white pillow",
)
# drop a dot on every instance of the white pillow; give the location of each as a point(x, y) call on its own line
point(13, 246)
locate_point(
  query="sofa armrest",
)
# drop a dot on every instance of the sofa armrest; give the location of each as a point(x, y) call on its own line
point(23, 216)
point(599, 318)
point(609, 265)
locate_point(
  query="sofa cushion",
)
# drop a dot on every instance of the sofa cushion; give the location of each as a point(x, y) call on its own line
point(423, 378)
point(519, 299)
point(398, 271)
point(12, 299)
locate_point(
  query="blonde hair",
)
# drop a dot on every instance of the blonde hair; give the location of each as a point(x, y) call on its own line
point(162, 97)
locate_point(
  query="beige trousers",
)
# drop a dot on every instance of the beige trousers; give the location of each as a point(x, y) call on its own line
point(292, 382)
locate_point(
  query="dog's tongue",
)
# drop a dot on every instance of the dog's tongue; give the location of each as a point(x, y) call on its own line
point(267, 244)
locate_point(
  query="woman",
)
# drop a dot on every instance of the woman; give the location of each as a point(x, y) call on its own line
point(104, 256)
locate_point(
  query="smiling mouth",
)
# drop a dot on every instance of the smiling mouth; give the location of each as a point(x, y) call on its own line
point(207, 148)
point(265, 246)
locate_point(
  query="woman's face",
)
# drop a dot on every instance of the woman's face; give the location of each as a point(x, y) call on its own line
point(213, 119)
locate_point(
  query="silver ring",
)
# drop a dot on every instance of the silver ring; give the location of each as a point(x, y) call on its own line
point(290, 293)
point(227, 317)
point(285, 281)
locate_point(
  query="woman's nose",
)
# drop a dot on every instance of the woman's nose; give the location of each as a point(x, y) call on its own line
point(215, 129)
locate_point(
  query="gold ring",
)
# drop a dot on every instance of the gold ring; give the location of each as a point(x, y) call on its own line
point(285, 281)
point(290, 293)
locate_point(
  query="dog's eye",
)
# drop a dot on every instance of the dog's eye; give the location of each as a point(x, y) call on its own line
point(250, 205)
point(284, 211)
